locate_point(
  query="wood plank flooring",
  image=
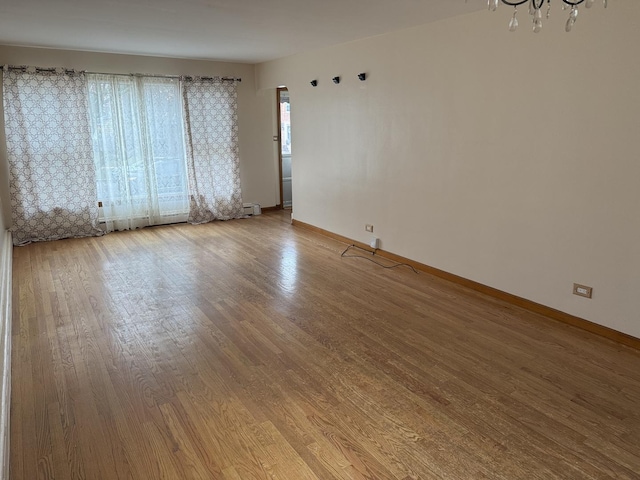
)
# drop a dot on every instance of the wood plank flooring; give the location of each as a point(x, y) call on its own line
point(250, 349)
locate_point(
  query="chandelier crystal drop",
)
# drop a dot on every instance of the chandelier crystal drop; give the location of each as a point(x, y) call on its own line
point(535, 11)
point(513, 24)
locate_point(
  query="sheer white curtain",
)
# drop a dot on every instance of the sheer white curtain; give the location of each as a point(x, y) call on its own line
point(51, 170)
point(139, 150)
point(211, 126)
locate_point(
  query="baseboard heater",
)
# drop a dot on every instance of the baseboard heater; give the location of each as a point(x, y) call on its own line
point(5, 351)
point(252, 208)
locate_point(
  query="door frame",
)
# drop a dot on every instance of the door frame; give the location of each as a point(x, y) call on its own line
point(278, 90)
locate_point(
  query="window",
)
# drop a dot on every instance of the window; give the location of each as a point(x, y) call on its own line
point(137, 135)
point(148, 150)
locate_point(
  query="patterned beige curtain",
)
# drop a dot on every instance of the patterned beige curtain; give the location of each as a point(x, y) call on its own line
point(51, 171)
point(211, 131)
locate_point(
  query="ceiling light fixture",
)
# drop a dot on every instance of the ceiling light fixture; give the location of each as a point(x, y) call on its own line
point(535, 11)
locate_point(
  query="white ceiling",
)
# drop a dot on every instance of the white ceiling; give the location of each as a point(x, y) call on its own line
point(235, 30)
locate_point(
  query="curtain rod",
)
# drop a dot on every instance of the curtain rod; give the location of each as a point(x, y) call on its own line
point(52, 69)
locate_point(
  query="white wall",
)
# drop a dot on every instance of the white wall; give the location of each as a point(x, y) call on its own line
point(509, 159)
point(258, 177)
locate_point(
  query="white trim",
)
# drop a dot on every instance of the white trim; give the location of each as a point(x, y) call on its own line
point(5, 351)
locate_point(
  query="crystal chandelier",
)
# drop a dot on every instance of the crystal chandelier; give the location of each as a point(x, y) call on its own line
point(535, 11)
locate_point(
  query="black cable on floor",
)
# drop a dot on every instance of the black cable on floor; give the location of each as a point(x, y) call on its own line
point(372, 260)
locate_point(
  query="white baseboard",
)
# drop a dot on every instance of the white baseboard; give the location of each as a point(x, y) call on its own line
point(5, 350)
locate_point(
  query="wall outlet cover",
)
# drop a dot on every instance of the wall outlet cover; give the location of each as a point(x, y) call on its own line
point(582, 290)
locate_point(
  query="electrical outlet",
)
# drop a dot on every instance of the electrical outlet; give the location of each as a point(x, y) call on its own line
point(368, 228)
point(582, 290)
point(375, 243)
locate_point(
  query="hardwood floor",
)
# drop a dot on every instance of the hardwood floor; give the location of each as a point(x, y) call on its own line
point(250, 349)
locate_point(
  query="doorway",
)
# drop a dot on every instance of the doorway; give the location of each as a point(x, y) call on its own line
point(284, 143)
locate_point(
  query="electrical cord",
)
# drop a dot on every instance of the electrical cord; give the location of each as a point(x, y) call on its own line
point(343, 254)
